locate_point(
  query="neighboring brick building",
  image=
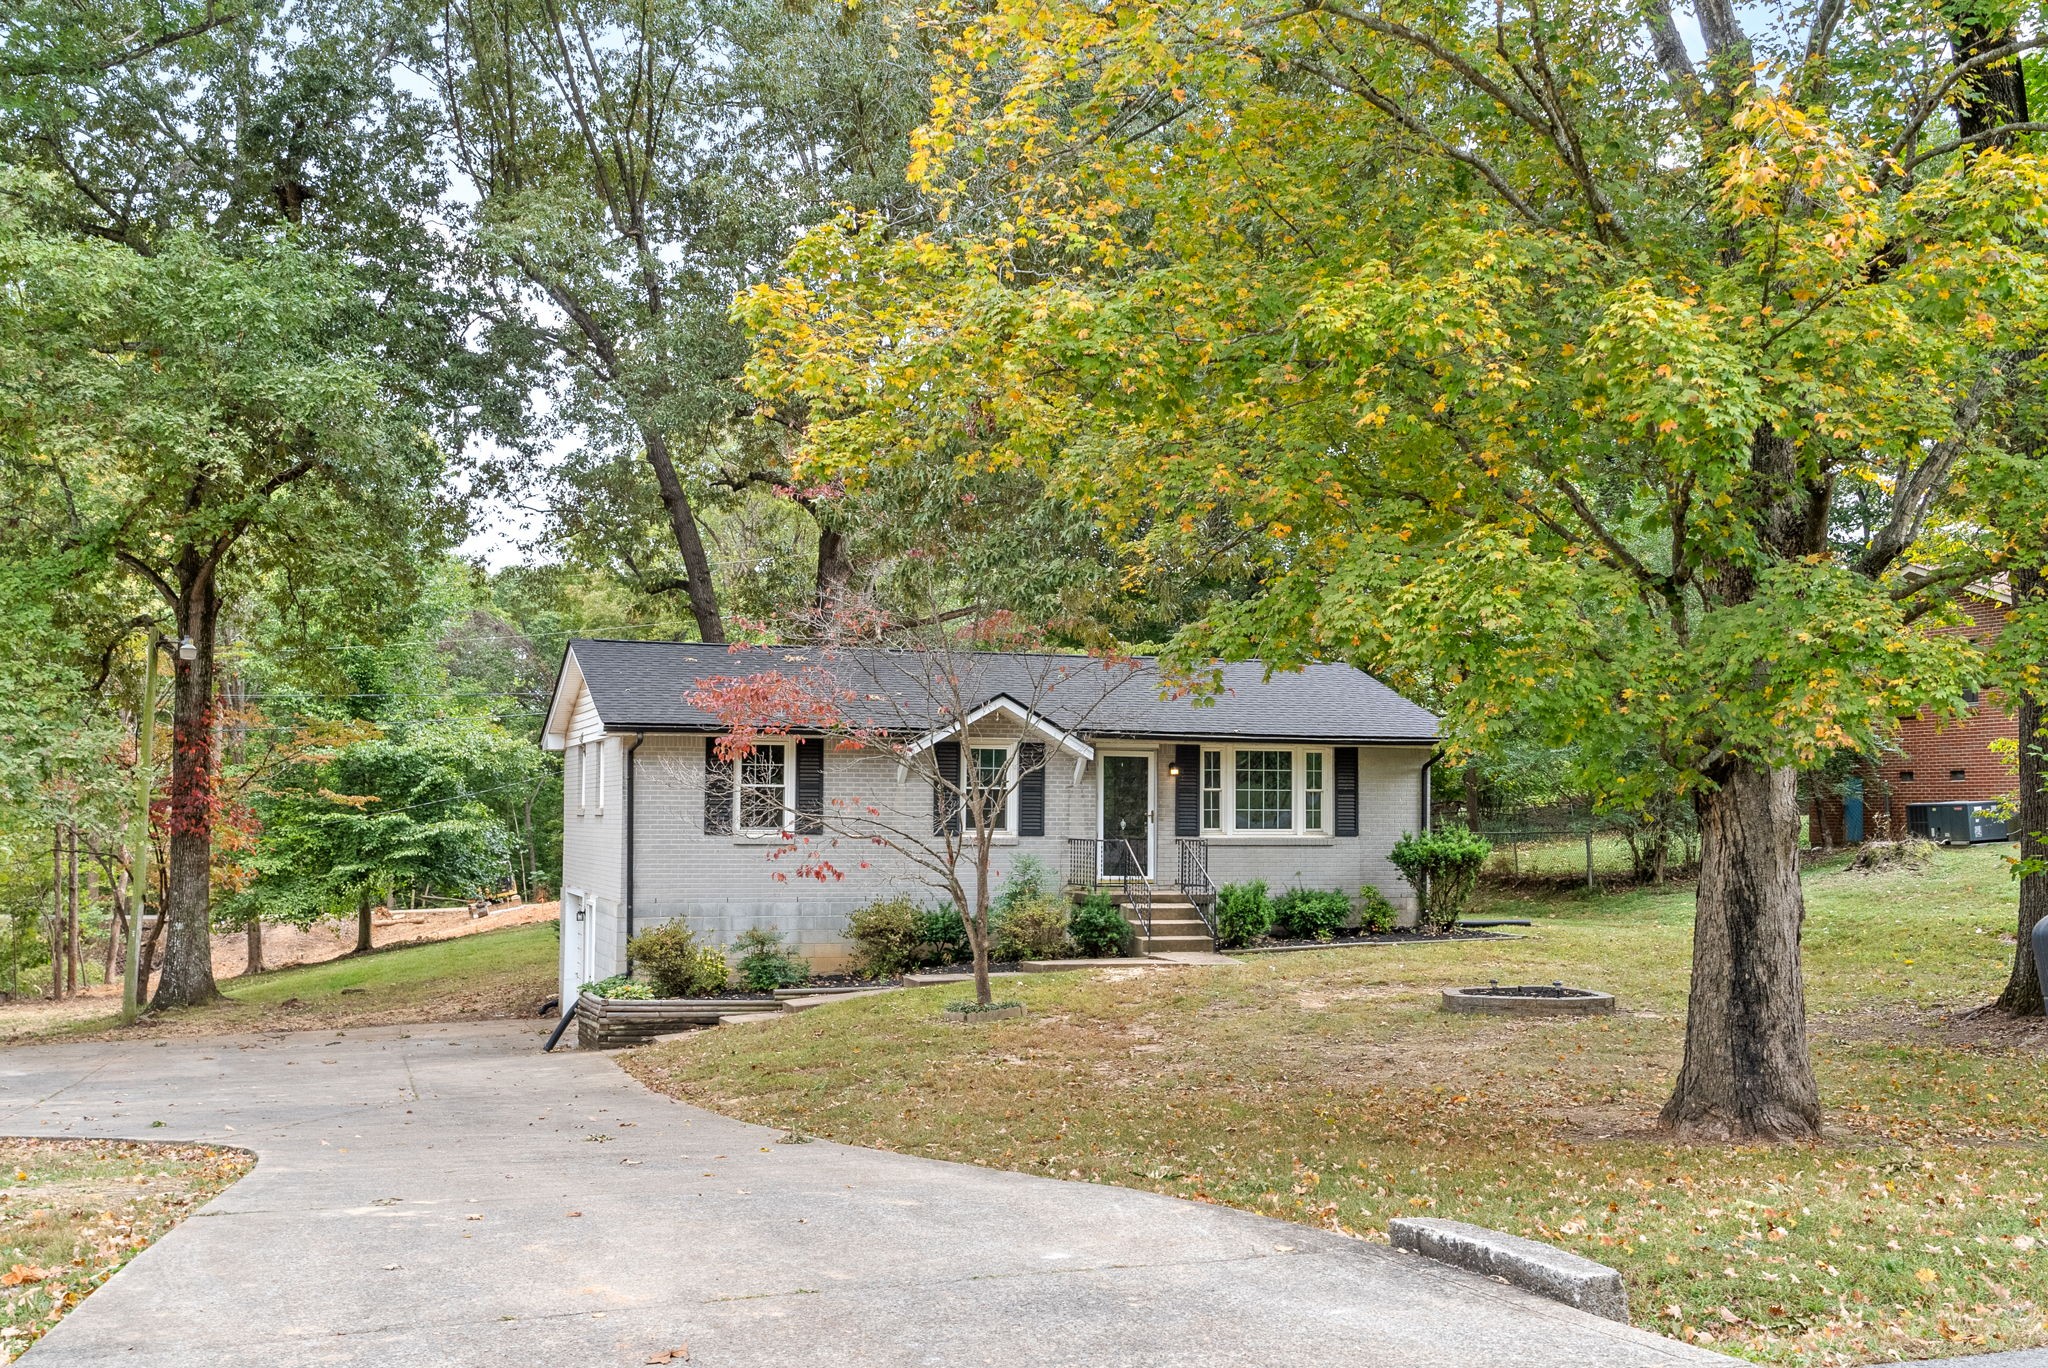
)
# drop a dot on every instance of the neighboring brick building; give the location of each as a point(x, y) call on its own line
point(1946, 761)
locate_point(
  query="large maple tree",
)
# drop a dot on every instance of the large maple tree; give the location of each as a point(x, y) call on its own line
point(1532, 346)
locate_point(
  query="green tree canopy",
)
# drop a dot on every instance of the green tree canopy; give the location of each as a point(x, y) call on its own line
point(1532, 350)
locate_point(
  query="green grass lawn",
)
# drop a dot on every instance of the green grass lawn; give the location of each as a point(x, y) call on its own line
point(1326, 1088)
point(73, 1211)
point(491, 974)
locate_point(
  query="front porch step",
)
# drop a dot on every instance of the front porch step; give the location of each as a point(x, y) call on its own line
point(1178, 945)
point(1174, 933)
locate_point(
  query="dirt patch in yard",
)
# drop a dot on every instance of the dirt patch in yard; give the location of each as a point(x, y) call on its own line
point(287, 946)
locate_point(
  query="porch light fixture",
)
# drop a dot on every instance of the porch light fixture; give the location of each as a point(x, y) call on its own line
point(1173, 771)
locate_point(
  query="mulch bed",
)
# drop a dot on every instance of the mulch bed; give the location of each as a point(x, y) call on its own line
point(1349, 938)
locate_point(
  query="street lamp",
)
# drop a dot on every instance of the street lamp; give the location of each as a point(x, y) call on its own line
point(145, 743)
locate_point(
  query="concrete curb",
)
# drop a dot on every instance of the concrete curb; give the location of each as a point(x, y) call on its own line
point(1540, 1268)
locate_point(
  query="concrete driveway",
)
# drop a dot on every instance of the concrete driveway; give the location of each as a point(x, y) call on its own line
point(448, 1195)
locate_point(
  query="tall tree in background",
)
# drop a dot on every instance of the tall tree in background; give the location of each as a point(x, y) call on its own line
point(1532, 347)
point(230, 326)
point(639, 162)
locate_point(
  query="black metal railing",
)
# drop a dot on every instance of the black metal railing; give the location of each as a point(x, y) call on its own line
point(1195, 881)
point(1112, 860)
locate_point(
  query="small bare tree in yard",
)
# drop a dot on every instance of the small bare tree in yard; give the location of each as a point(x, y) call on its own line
point(913, 700)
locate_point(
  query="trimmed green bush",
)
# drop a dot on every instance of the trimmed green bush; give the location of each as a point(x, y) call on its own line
point(766, 963)
point(1310, 913)
point(941, 938)
point(885, 936)
point(675, 964)
point(1035, 928)
point(1100, 931)
point(1443, 866)
point(1243, 914)
point(1375, 914)
point(618, 986)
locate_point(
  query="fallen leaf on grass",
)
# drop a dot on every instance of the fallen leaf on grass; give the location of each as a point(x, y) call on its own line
point(23, 1273)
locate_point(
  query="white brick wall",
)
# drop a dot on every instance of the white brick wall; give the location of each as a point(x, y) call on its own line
point(724, 884)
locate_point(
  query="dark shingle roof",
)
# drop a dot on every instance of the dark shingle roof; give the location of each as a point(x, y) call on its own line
point(643, 686)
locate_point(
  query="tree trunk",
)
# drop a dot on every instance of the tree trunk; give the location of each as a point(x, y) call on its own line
point(1471, 777)
point(188, 941)
point(682, 522)
point(1747, 1074)
point(150, 948)
point(835, 571)
point(56, 913)
point(117, 921)
point(363, 927)
point(72, 972)
point(255, 965)
point(2022, 995)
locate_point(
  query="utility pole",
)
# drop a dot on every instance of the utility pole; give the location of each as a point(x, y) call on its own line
point(145, 737)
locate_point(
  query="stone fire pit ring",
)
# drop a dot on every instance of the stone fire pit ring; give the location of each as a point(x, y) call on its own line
point(1529, 999)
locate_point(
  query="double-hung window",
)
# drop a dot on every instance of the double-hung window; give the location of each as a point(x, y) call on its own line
point(765, 795)
point(1212, 790)
point(988, 781)
point(1265, 790)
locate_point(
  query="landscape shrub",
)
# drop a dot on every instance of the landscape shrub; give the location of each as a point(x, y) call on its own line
point(941, 938)
point(766, 963)
point(618, 986)
point(1243, 914)
point(1034, 928)
point(1099, 929)
point(1310, 913)
point(1029, 880)
point(1442, 866)
point(1375, 914)
point(886, 937)
point(675, 964)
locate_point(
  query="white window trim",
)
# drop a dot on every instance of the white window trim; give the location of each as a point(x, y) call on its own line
point(788, 827)
point(582, 778)
point(600, 776)
point(1298, 806)
point(1008, 745)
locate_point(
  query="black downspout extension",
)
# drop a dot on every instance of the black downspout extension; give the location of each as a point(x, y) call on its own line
point(1434, 754)
point(638, 737)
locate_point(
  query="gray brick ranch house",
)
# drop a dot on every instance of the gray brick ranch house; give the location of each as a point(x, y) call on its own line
point(1110, 777)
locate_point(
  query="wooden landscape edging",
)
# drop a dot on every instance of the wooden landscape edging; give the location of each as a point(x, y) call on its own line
point(613, 1023)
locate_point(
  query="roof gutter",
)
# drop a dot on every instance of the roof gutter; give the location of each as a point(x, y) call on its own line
point(638, 737)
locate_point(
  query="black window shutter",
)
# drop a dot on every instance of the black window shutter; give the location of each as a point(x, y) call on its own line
point(1030, 788)
point(1187, 791)
point(1344, 767)
point(717, 791)
point(946, 788)
point(810, 786)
